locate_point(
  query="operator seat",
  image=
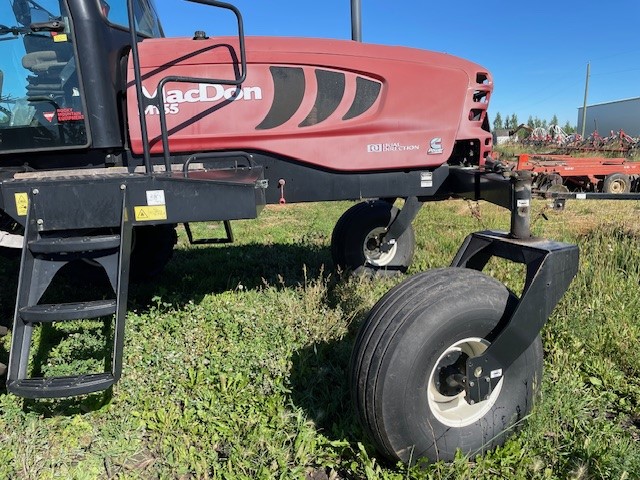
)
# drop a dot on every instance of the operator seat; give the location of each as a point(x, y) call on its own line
point(51, 65)
point(50, 73)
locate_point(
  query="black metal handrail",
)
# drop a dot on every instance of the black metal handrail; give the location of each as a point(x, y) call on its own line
point(240, 77)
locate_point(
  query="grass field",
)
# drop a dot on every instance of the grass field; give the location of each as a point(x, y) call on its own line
point(236, 360)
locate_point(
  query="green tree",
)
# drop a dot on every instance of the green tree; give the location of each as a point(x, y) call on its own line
point(514, 120)
point(568, 128)
point(497, 121)
point(554, 120)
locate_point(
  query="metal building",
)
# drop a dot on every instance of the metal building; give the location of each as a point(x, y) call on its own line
point(608, 116)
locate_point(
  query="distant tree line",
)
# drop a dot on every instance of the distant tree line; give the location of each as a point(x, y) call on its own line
point(511, 122)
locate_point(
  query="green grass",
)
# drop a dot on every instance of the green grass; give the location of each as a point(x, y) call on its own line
point(236, 360)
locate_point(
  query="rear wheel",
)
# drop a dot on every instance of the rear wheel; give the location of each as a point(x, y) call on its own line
point(356, 242)
point(617, 183)
point(152, 250)
point(410, 357)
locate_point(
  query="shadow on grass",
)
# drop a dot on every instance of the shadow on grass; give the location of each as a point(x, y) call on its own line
point(190, 276)
point(9, 266)
point(320, 375)
point(320, 386)
point(194, 273)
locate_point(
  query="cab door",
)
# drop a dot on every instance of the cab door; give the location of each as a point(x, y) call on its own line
point(41, 102)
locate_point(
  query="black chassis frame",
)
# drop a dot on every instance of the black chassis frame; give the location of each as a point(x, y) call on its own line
point(237, 189)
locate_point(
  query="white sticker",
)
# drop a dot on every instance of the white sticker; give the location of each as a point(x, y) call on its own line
point(523, 203)
point(426, 179)
point(155, 197)
point(581, 196)
point(496, 373)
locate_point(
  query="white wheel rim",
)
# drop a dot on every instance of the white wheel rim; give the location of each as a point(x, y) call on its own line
point(375, 256)
point(454, 411)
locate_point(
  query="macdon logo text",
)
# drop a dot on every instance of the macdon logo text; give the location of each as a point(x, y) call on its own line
point(204, 93)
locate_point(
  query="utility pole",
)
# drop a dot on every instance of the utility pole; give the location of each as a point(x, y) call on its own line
point(356, 21)
point(584, 106)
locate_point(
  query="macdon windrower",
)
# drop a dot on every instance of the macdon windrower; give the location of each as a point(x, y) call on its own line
point(111, 135)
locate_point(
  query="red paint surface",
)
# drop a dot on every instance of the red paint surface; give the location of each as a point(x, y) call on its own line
point(424, 96)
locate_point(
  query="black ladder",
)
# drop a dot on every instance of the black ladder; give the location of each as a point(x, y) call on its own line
point(44, 254)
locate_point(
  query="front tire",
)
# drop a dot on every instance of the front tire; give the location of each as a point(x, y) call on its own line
point(356, 240)
point(415, 338)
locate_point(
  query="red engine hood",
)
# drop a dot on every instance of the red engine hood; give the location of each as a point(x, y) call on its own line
point(340, 105)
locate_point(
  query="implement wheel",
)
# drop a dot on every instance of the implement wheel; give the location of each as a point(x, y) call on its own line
point(408, 367)
point(356, 242)
point(617, 183)
point(548, 181)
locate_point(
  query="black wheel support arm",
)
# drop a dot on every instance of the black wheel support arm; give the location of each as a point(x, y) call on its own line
point(407, 214)
point(550, 265)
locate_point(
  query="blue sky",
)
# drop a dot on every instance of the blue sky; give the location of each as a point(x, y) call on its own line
point(537, 51)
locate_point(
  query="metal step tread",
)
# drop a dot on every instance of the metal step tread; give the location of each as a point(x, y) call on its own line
point(56, 312)
point(87, 243)
point(60, 387)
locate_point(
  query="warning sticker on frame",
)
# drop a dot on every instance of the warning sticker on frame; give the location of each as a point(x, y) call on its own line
point(149, 213)
point(22, 203)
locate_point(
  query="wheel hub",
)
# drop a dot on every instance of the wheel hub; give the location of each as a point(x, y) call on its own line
point(377, 252)
point(618, 186)
point(445, 389)
point(451, 376)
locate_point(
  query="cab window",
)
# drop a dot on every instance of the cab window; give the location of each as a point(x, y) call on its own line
point(147, 21)
point(41, 106)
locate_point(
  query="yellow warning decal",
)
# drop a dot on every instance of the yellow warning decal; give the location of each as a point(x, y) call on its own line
point(62, 37)
point(149, 213)
point(22, 203)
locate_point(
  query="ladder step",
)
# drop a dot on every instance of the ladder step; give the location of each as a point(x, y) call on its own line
point(89, 243)
point(56, 312)
point(60, 387)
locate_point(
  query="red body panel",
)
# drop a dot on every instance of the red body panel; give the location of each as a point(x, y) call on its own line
point(338, 105)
